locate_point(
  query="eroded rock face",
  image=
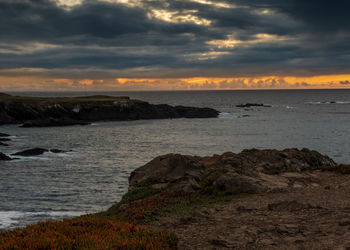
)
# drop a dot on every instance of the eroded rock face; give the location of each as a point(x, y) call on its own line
point(250, 171)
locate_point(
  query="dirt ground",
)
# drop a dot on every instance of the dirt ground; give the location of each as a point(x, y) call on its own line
point(306, 217)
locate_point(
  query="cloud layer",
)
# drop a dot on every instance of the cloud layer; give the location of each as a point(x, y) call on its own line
point(113, 39)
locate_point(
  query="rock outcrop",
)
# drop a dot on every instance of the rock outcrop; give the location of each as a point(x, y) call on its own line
point(250, 171)
point(41, 112)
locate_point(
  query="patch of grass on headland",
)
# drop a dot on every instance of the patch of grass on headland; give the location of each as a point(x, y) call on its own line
point(134, 194)
point(187, 205)
point(87, 232)
point(112, 229)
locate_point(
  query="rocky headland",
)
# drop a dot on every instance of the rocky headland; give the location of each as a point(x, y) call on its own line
point(256, 199)
point(63, 111)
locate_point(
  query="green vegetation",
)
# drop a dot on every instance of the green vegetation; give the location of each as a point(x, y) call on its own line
point(87, 232)
point(187, 205)
point(314, 157)
point(133, 195)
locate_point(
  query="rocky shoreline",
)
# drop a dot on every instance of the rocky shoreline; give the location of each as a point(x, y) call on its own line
point(256, 199)
point(44, 112)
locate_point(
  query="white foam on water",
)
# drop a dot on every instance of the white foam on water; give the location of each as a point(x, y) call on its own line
point(227, 115)
point(342, 102)
point(327, 103)
point(28, 158)
point(313, 103)
point(9, 219)
point(290, 107)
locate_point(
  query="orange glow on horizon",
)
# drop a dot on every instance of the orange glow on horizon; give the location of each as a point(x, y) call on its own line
point(37, 83)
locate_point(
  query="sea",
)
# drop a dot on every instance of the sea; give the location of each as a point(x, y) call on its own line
point(94, 175)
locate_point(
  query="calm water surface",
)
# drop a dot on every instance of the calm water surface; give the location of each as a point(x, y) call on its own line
point(95, 175)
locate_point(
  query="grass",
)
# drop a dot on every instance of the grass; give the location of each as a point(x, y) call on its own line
point(187, 205)
point(132, 195)
point(87, 232)
point(114, 229)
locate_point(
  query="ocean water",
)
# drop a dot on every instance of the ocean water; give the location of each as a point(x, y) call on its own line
point(95, 174)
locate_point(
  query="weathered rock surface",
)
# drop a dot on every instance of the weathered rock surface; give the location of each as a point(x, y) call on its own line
point(38, 151)
point(43, 112)
point(294, 205)
point(4, 157)
point(289, 199)
point(310, 217)
point(251, 171)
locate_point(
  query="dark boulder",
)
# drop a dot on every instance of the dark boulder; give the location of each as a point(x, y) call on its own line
point(32, 152)
point(249, 105)
point(4, 157)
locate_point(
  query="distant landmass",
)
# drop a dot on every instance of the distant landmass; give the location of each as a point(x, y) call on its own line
point(65, 111)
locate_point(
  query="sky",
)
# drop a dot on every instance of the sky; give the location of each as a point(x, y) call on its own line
point(86, 45)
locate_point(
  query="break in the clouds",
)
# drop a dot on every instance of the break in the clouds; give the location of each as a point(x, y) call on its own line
point(110, 39)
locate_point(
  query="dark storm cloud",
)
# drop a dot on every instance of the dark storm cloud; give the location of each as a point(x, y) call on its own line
point(325, 15)
point(305, 37)
point(43, 20)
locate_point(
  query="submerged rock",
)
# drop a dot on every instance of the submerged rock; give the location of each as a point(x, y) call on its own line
point(32, 152)
point(4, 157)
point(39, 151)
point(250, 171)
point(249, 105)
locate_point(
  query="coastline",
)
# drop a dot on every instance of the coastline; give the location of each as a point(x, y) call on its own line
point(182, 201)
